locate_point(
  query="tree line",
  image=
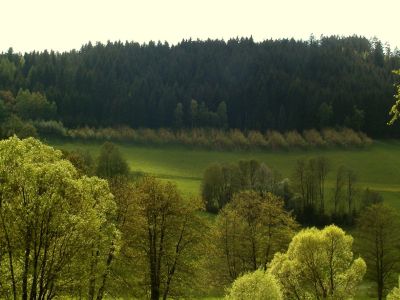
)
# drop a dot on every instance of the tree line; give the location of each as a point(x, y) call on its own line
point(279, 85)
point(304, 192)
point(30, 114)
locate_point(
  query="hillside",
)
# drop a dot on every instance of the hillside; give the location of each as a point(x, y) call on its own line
point(376, 167)
point(274, 84)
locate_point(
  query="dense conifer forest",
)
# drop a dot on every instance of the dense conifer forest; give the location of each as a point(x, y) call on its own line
point(274, 84)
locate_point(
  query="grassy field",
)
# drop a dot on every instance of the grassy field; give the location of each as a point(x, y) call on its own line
point(377, 167)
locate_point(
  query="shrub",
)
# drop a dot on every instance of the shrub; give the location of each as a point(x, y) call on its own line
point(148, 136)
point(165, 136)
point(366, 140)
point(200, 138)
point(332, 137)
point(256, 139)
point(276, 140)
point(15, 126)
point(183, 138)
point(294, 139)
point(238, 139)
point(351, 138)
point(313, 138)
point(258, 285)
point(51, 127)
point(220, 140)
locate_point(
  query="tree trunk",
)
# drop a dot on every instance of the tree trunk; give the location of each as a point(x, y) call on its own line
point(110, 257)
point(26, 264)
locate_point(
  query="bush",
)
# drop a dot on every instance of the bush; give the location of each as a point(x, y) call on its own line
point(148, 136)
point(53, 128)
point(238, 139)
point(294, 139)
point(256, 139)
point(15, 126)
point(258, 285)
point(276, 140)
point(165, 136)
point(183, 138)
point(313, 138)
point(351, 138)
point(220, 140)
point(332, 137)
point(366, 140)
point(200, 138)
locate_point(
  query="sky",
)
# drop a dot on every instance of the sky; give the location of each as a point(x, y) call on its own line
point(62, 25)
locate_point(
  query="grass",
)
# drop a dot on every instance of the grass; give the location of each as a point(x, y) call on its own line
point(377, 167)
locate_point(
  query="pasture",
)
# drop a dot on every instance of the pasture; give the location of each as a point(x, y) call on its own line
point(377, 167)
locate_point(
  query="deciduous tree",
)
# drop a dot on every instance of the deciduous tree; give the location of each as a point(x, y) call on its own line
point(319, 264)
point(379, 243)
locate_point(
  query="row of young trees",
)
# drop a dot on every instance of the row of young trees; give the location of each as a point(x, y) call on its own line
point(274, 84)
point(31, 114)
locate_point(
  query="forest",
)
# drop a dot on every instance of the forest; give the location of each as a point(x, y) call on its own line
point(278, 85)
point(78, 224)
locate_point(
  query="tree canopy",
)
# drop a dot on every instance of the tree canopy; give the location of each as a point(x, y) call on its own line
point(274, 84)
point(319, 264)
point(51, 223)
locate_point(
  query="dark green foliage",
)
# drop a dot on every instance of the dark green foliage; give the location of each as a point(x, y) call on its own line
point(274, 84)
point(370, 197)
point(34, 106)
point(325, 113)
point(110, 162)
point(178, 116)
point(13, 125)
point(221, 181)
point(379, 244)
point(82, 161)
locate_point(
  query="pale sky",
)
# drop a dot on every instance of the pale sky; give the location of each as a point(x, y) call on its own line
point(62, 25)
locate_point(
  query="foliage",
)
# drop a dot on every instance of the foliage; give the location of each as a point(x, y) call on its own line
point(258, 285)
point(395, 110)
point(34, 106)
point(13, 125)
point(319, 264)
point(50, 128)
point(221, 181)
point(53, 225)
point(379, 243)
point(247, 232)
point(163, 233)
point(395, 293)
point(272, 84)
point(110, 162)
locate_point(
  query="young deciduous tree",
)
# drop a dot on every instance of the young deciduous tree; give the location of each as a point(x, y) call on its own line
point(379, 243)
point(52, 222)
point(318, 264)
point(110, 162)
point(258, 285)
point(162, 234)
point(247, 233)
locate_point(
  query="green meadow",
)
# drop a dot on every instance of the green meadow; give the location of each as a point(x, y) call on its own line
point(377, 167)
